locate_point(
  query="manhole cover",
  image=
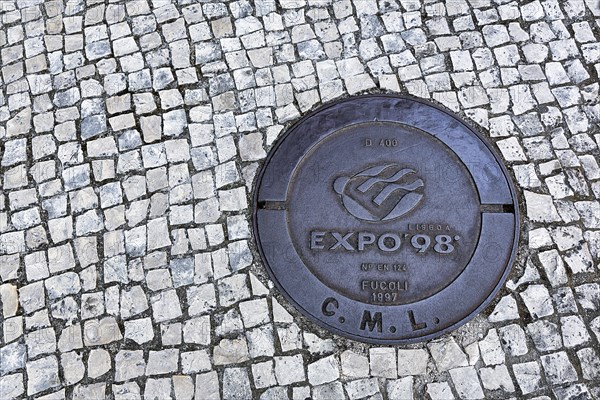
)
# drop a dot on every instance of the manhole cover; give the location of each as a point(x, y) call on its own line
point(385, 219)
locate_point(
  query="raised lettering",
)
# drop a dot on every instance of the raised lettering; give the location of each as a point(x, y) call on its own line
point(383, 246)
point(372, 322)
point(325, 307)
point(365, 238)
point(316, 240)
point(342, 241)
point(415, 326)
point(387, 242)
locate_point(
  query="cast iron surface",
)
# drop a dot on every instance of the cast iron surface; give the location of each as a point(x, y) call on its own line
point(385, 219)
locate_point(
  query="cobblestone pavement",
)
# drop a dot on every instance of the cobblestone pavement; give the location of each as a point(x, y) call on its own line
point(130, 135)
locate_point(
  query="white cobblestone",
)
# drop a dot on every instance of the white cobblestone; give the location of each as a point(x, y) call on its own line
point(127, 174)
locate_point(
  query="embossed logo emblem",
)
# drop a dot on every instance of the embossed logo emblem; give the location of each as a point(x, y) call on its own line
point(380, 193)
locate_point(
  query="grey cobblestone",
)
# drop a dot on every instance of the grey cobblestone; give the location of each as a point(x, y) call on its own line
point(130, 136)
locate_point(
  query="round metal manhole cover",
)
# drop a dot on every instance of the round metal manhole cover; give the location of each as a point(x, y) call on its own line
point(385, 219)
